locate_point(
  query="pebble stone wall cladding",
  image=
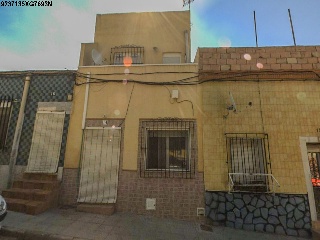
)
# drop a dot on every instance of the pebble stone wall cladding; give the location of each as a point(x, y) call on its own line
point(279, 213)
point(44, 87)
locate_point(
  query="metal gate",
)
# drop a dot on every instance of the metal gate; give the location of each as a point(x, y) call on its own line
point(99, 165)
point(5, 112)
point(46, 142)
point(314, 164)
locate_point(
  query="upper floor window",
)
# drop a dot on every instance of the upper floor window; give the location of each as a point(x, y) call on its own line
point(127, 55)
point(171, 58)
point(5, 112)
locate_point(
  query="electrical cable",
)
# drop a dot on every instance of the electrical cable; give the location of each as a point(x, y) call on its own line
point(146, 73)
point(99, 80)
point(189, 81)
point(127, 107)
point(189, 102)
point(169, 93)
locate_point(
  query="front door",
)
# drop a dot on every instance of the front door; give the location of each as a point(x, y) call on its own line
point(46, 142)
point(99, 165)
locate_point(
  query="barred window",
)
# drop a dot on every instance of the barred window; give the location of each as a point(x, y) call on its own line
point(118, 54)
point(167, 148)
point(248, 160)
point(5, 112)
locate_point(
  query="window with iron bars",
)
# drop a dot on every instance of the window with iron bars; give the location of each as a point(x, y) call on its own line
point(248, 161)
point(118, 54)
point(5, 112)
point(167, 148)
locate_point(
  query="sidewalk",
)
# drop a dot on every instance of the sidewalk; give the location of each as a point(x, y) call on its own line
point(69, 224)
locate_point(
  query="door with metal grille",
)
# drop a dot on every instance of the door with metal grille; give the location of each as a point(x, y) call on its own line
point(99, 165)
point(46, 142)
point(5, 112)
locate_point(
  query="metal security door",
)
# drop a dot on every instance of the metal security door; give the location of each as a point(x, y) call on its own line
point(5, 112)
point(99, 165)
point(46, 142)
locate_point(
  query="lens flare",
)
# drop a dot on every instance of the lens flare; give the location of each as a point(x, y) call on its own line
point(116, 112)
point(125, 81)
point(224, 42)
point(247, 56)
point(127, 61)
point(113, 126)
point(126, 71)
point(259, 65)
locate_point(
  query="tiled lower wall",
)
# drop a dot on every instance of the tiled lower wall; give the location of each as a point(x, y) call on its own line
point(69, 187)
point(175, 197)
point(280, 213)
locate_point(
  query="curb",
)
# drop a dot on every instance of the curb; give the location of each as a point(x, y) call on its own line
point(30, 235)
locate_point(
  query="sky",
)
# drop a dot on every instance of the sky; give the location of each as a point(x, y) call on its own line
point(49, 37)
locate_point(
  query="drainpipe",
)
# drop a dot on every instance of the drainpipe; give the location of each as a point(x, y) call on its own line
point(186, 37)
point(17, 133)
point(85, 107)
point(83, 125)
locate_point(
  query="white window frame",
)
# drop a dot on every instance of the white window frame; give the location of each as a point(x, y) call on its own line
point(188, 151)
point(171, 56)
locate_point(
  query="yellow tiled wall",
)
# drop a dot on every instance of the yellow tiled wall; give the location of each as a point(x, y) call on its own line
point(284, 110)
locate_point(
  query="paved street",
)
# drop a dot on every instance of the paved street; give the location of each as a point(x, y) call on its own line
point(69, 224)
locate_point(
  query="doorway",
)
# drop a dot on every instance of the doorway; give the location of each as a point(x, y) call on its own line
point(314, 165)
point(99, 165)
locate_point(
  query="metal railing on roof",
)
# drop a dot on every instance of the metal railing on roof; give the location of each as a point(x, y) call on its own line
point(132, 52)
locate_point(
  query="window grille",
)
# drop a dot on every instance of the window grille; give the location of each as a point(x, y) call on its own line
point(119, 53)
point(248, 162)
point(5, 112)
point(167, 148)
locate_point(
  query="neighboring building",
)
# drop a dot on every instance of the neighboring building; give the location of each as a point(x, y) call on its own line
point(34, 117)
point(261, 131)
point(134, 133)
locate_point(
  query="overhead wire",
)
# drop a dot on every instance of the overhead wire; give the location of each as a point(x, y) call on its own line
point(127, 106)
point(191, 81)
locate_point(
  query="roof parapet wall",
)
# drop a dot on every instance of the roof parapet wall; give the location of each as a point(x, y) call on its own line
point(259, 58)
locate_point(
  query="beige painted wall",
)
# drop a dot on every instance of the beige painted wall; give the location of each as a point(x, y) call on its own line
point(109, 99)
point(163, 31)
